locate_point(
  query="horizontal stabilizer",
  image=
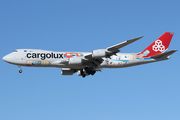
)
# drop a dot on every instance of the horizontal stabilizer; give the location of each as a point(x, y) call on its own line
point(165, 54)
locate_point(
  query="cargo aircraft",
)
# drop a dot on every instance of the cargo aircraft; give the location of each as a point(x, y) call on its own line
point(87, 63)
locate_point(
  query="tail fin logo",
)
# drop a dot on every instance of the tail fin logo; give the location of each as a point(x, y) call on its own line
point(158, 46)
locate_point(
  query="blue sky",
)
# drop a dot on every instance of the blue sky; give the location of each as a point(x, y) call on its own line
point(146, 92)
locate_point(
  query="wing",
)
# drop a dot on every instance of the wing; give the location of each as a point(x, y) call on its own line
point(95, 58)
point(120, 45)
point(113, 49)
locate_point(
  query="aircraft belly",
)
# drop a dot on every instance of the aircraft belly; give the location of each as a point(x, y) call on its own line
point(123, 63)
point(48, 63)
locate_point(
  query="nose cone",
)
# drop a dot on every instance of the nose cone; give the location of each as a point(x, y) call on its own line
point(7, 58)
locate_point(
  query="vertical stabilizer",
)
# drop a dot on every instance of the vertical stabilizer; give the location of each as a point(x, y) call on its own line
point(158, 46)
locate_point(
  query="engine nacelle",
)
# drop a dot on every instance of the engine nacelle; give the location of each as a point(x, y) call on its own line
point(75, 61)
point(67, 71)
point(99, 53)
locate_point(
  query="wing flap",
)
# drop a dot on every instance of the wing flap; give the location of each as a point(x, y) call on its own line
point(89, 55)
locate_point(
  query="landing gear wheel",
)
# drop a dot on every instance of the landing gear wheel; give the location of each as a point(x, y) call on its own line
point(20, 71)
point(93, 72)
point(83, 76)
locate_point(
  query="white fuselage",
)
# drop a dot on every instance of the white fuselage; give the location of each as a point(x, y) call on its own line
point(87, 63)
point(44, 58)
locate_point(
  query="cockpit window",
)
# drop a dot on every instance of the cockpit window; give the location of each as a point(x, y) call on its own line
point(15, 51)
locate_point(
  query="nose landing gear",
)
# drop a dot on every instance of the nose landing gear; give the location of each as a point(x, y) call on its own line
point(20, 70)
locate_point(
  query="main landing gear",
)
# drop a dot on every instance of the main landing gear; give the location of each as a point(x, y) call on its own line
point(20, 70)
point(86, 71)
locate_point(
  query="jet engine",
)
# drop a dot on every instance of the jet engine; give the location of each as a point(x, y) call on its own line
point(75, 61)
point(67, 71)
point(104, 53)
point(99, 53)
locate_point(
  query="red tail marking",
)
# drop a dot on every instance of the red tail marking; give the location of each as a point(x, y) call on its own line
point(158, 46)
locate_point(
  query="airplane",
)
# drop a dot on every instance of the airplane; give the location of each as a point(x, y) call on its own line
point(88, 63)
